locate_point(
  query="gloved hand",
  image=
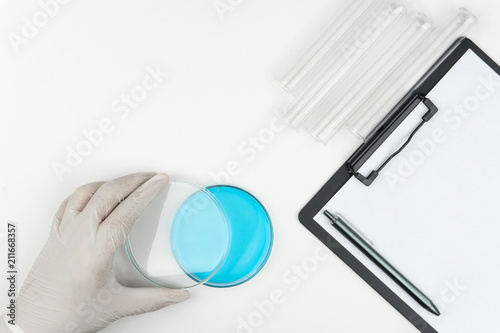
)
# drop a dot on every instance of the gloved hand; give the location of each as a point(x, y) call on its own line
point(71, 286)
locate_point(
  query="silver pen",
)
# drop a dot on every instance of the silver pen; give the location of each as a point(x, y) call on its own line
point(348, 232)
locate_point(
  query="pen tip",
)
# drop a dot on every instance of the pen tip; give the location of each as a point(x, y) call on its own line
point(434, 309)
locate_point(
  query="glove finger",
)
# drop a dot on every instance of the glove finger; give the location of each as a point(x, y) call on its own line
point(75, 203)
point(111, 194)
point(81, 197)
point(72, 206)
point(113, 230)
point(134, 301)
point(60, 212)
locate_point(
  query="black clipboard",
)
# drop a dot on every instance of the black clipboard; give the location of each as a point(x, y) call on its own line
point(348, 170)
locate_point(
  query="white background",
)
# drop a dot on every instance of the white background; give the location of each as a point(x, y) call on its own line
point(221, 91)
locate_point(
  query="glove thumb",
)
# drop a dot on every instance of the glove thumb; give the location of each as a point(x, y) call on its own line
point(134, 301)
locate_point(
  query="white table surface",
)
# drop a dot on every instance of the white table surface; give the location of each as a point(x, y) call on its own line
point(220, 93)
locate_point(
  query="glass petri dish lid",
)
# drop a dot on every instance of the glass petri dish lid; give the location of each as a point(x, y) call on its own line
point(200, 230)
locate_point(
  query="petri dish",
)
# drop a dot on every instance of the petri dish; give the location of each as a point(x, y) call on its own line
point(220, 236)
point(200, 233)
point(250, 241)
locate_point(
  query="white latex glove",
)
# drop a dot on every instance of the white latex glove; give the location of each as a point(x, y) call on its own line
point(71, 286)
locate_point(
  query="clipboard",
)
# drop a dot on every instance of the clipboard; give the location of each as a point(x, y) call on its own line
point(424, 192)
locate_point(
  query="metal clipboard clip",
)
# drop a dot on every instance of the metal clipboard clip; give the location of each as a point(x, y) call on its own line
point(367, 181)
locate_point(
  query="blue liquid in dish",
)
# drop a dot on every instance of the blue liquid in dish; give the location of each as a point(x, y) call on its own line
point(199, 236)
point(249, 243)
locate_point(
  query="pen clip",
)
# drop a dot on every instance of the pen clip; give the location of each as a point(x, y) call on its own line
point(353, 227)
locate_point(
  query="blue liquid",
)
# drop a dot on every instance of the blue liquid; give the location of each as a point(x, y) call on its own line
point(199, 236)
point(250, 241)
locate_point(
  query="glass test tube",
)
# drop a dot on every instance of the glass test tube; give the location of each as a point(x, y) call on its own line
point(332, 69)
point(347, 17)
point(333, 73)
point(354, 42)
point(338, 110)
point(405, 77)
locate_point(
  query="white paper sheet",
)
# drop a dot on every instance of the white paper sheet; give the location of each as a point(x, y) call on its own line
point(434, 211)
